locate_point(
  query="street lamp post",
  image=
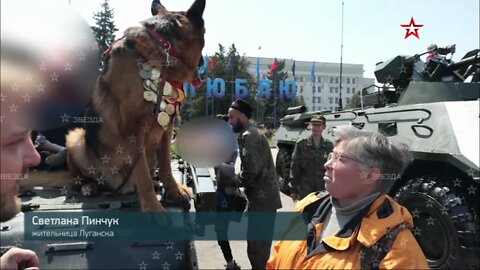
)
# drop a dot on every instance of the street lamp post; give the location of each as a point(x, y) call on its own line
point(340, 103)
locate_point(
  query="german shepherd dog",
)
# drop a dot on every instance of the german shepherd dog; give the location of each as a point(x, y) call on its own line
point(137, 96)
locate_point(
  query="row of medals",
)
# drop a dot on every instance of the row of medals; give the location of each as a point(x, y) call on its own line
point(171, 96)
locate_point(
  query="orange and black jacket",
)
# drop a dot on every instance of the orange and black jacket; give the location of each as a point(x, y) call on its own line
point(358, 244)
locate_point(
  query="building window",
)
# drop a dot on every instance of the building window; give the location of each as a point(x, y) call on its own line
point(353, 90)
point(313, 100)
point(348, 80)
point(331, 109)
point(336, 90)
point(301, 89)
point(319, 79)
point(348, 100)
point(301, 78)
point(353, 80)
point(348, 90)
point(319, 89)
point(330, 99)
point(331, 79)
point(331, 89)
point(336, 80)
point(336, 100)
point(313, 89)
point(319, 99)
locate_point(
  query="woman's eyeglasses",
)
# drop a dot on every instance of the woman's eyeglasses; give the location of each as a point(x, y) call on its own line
point(336, 156)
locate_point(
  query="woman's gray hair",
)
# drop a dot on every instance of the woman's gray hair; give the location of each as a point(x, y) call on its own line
point(376, 150)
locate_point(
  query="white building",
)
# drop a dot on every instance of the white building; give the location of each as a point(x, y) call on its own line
point(324, 93)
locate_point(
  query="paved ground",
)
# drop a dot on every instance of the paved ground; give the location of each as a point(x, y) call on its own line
point(209, 253)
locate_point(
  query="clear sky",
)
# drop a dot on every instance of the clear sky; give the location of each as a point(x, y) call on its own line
point(310, 30)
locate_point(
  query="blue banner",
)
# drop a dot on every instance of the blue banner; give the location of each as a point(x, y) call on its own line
point(174, 226)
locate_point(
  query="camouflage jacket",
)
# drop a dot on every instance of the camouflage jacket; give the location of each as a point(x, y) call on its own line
point(258, 174)
point(307, 171)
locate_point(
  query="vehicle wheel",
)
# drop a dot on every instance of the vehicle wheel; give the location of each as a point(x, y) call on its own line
point(282, 165)
point(446, 227)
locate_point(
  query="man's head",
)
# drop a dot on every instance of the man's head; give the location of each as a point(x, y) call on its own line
point(317, 124)
point(17, 150)
point(432, 48)
point(239, 114)
point(363, 162)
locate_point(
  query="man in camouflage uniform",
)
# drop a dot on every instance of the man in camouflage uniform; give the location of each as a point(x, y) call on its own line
point(309, 156)
point(259, 179)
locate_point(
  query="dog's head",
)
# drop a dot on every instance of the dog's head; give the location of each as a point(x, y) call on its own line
point(183, 31)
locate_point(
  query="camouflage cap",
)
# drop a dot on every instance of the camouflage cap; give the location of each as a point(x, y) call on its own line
point(318, 118)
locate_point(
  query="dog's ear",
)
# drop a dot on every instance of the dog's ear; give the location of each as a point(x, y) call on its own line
point(195, 12)
point(157, 8)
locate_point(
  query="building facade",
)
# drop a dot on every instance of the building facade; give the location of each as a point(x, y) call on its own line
point(323, 93)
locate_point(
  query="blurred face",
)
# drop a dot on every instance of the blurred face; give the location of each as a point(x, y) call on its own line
point(17, 155)
point(317, 128)
point(237, 119)
point(343, 177)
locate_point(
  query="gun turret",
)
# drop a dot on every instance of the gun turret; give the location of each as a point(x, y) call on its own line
point(395, 69)
point(297, 109)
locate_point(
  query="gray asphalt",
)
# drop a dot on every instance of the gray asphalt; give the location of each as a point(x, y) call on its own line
point(210, 256)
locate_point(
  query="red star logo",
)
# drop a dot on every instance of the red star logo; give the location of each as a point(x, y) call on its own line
point(412, 28)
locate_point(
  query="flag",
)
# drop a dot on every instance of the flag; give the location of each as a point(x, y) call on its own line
point(273, 67)
point(202, 69)
point(312, 74)
point(258, 67)
point(293, 69)
point(211, 64)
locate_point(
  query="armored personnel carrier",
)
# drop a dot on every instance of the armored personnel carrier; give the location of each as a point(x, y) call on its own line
point(434, 108)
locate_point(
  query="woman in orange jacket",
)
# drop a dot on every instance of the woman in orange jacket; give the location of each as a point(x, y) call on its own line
point(355, 225)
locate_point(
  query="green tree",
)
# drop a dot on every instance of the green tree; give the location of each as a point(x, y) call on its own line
point(229, 65)
point(104, 29)
point(276, 106)
point(354, 101)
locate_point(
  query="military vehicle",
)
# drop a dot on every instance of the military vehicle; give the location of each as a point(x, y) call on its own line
point(109, 253)
point(434, 108)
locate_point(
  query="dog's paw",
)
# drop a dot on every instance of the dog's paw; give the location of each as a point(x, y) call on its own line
point(153, 207)
point(179, 192)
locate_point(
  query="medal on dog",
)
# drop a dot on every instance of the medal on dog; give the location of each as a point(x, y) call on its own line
point(145, 74)
point(150, 96)
point(147, 67)
point(155, 74)
point(149, 85)
point(170, 109)
point(173, 95)
point(163, 119)
point(163, 105)
point(177, 114)
point(181, 95)
point(167, 89)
